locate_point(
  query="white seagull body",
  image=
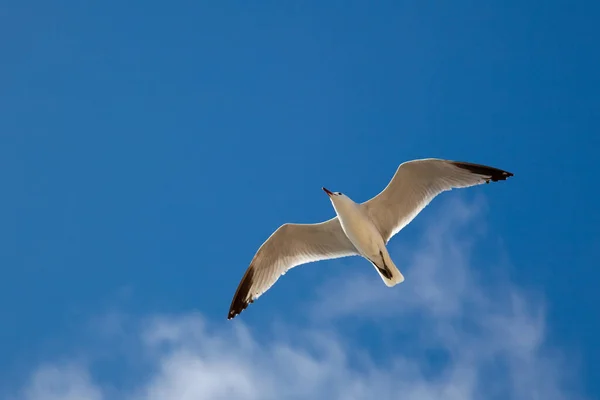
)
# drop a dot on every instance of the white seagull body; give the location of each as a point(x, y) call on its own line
point(359, 229)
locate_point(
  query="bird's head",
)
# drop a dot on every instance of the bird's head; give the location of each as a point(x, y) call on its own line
point(333, 195)
point(339, 201)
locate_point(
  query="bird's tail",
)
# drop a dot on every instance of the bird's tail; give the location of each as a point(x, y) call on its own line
point(388, 271)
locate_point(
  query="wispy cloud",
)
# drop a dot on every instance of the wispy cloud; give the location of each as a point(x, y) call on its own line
point(62, 382)
point(451, 331)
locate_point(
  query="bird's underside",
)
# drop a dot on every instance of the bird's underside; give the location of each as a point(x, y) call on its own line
point(411, 189)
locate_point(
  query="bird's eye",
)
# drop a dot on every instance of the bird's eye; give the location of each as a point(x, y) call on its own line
point(339, 193)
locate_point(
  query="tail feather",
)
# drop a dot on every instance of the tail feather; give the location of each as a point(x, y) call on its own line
point(389, 273)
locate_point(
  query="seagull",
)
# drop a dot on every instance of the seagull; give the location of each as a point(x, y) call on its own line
point(359, 229)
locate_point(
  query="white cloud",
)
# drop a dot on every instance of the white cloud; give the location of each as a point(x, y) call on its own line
point(448, 332)
point(61, 382)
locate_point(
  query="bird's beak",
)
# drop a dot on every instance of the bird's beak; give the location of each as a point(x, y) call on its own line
point(328, 192)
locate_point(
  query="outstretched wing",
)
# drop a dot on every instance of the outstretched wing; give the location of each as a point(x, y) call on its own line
point(290, 245)
point(416, 183)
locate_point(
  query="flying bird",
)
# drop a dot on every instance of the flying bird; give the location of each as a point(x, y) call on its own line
point(359, 229)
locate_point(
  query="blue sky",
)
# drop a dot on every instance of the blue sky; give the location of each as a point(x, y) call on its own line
point(147, 150)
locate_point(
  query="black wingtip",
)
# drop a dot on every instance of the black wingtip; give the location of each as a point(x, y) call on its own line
point(495, 174)
point(241, 299)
